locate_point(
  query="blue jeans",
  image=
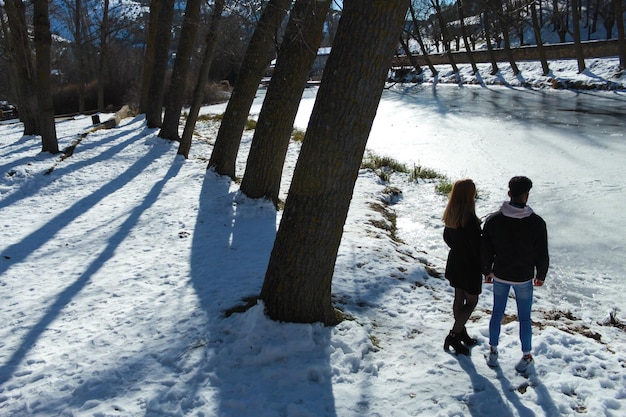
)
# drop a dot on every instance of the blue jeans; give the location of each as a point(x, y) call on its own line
point(524, 299)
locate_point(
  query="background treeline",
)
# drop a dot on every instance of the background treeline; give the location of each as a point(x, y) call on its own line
point(98, 46)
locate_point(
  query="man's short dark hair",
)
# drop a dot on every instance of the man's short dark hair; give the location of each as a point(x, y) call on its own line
point(519, 186)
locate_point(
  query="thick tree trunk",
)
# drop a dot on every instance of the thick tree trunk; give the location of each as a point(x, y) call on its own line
point(43, 47)
point(78, 46)
point(148, 61)
point(538, 40)
point(580, 57)
point(420, 41)
point(445, 35)
point(258, 56)
point(487, 25)
point(154, 108)
point(504, 23)
point(297, 286)
point(409, 54)
point(104, 28)
point(273, 130)
point(466, 42)
point(176, 94)
point(619, 11)
point(198, 92)
point(24, 66)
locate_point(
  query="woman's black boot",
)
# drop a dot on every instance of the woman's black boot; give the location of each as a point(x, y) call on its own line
point(466, 339)
point(454, 340)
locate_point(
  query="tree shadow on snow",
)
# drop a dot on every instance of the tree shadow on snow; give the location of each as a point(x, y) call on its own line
point(249, 363)
point(19, 251)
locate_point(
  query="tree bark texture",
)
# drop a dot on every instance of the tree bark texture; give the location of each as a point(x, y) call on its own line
point(104, 29)
point(148, 61)
point(258, 56)
point(538, 40)
point(23, 61)
point(619, 11)
point(43, 47)
point(580, 58)
point(297, 286)
point(487, 20)
point(466, 42)
point(176, 94)
point(163, 38)
point(205, 66)
point(273, 130)
point(420, 41)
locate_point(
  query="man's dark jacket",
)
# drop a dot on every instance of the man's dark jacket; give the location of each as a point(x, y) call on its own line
point(514, 245)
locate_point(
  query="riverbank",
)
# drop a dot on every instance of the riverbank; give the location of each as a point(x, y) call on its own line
point(600, 74)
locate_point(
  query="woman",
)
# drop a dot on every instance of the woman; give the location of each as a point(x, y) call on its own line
point(463, 270)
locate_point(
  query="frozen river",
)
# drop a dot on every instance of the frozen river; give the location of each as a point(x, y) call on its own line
point(571, 144)
point(573, 147)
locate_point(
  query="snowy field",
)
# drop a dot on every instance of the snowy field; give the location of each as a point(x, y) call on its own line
point(118, 269)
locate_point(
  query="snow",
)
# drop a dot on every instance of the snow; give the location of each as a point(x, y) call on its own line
point(117, 271)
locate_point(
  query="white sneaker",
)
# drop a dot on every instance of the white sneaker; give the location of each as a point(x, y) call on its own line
point(492, 358)
point(524, 363)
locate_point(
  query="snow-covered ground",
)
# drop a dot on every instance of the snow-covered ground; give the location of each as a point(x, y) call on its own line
point(117, 270)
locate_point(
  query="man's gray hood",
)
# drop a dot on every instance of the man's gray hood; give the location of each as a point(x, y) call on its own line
point(510, 210)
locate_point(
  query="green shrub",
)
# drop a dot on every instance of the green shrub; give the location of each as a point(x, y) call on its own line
point(298, 135)
point(251, 124)
point(420, 172)
point(210, 117)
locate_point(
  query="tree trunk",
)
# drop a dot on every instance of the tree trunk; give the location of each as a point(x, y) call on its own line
point(43, 47)
point(176, 94)
point(420, 41)
point(273, 130)
point(24, 66)
point(487, 23)
point(619, 11)
point(505, 27)
point(258, 56)
point(297, 286)
point(409, 54)
point(466, 42)
point(148, 62)
point(198, 93)
point(445, 35)
point(159, 69)
point(78, 46)
point(104, 29)
point(580, 57)
point(537, 30)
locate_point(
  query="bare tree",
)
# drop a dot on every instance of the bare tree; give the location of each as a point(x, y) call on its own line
point(23, 64)
point(504, 25)
point(445, 35)
point(619, 11)
point(468, 50)
point(538, 40)
point(258, 56)
point(420, 40)
point(43, 45)
point(297, 286)
point(176, 94)
point(487, 13)
point(577, 45)
point(163, 37)
point(104, 48)
point(149, 56)
point(207, 59)
point(273, 130)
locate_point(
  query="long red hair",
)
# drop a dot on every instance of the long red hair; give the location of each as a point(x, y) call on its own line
point(461, 208)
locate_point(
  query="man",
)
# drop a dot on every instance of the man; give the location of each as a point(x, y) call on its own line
point(514, 252)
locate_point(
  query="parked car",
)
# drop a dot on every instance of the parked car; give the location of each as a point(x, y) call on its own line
point(7, 111)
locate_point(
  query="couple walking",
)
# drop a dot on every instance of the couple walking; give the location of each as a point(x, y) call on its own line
point(511, 251)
